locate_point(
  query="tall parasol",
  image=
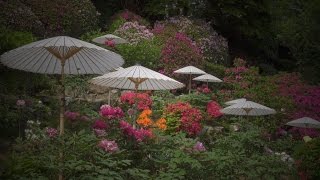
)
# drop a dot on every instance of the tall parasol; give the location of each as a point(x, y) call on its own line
point(189, 70)
point(248, 108)
point(62, 55)
point(207, 78)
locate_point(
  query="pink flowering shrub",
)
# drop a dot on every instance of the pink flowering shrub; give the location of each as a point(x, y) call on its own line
point(144, 99)
point(133, 32)
point(108, 146)
point(213, 46)
point(188, 118)
point(204, 89)
point(213, 109)
point(178, 52)
point(137, 134)
point(20, 102)
point(306, 99)
point(111, 112)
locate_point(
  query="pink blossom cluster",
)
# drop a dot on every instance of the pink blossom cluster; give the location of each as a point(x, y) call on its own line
point(204, 89)
point(199, 147)
point(190, 121)
point(130, 16)
point(109, 43)
point(111, 112)
point(144, 99)
point(100, 124)
point(51, 132)
point(138, 134)
point(213, 109)
point(108, 146)
point(133, 32)
point(20, 102)
point(72, 116)
point(177, 107)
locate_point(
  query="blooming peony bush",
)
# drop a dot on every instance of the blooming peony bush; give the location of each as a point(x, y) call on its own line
point(182, 117)
point(138, 135)
point(108, 146)
point(213, 109)
point(111, 112)
point(178, 52)
point(144, 99)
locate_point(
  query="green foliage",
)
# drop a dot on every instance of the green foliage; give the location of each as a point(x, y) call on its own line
point(197, 100)
point(13, 39)
point(215, 69)
point(88, 36)
point(159, 100)
point(116, 24)
point(147, 53)
point(240, 155)
point(308, 155)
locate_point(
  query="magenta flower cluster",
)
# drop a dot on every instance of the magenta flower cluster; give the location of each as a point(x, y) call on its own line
point(108, 146)
point(111, 112)
point(190, 121)
point(204, 89)
point(213, 109)
point(20, 102)
point(72, 116)
point(178, 52)
point(100, 124)
point(138, 134)
point(51, 132)
point(199, 147)
point(144, 99)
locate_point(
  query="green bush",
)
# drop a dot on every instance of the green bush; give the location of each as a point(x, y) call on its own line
point(13, 39)
point(308, 155)
point(147, 53)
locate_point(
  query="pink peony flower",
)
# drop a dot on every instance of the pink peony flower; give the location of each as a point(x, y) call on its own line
point(72, 116)
point(51, 132)
point(20, 102)
point(99, 124)
point(111, 112)
point(213, 109)
point(108, 146)
point(100, 132)
point(199, 147)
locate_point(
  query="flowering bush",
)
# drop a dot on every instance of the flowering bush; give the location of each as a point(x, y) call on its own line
point(138, 134)
point(213, 46)
point(133, 32)
point(108, 146)
point(306, 99)
point(179, 51)
point(204, 89)
point(143, 119)
point(181, 116)
point(144, 100)
point(213, 109)
point(111, 112)
point(110, 43)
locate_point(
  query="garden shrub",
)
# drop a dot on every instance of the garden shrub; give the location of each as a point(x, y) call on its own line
point(13, 39)
point(307, 157)
point(51, 18)
point(146, 52)
point(213, 46)
point(179, 52)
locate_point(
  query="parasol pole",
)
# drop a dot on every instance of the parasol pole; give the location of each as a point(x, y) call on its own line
point(207, 83)
point(189, 83)
point(109, 97)
point(63, 99)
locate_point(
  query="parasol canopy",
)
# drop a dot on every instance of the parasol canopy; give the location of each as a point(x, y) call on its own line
point(304, 122)
point(236, 101)
point(138, 78)
point(189, 70)
point(248, 108)
point(104, 38)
